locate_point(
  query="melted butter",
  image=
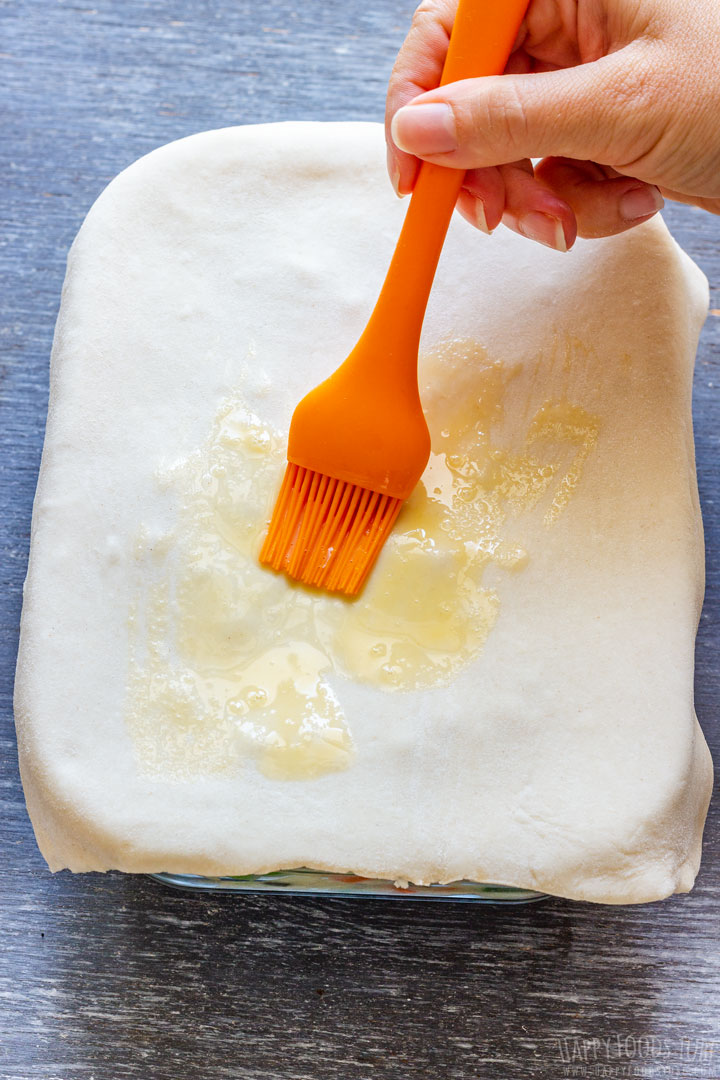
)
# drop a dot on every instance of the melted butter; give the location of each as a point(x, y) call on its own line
point(557, 423)
point(231, 663)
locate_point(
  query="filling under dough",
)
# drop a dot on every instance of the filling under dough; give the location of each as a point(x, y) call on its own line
point(509, 699)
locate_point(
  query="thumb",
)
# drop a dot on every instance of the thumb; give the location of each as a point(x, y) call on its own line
point(597, 111)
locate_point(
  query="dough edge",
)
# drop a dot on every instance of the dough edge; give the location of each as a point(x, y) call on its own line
point(68, 840)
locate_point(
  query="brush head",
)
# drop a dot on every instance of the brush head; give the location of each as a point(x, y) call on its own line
point(327, 532)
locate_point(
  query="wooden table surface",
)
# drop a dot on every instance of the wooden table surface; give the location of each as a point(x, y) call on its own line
point(104, 977)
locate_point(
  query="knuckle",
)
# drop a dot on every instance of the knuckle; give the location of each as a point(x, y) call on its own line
point(495, 119)
point(635, 86)
point(433, 13)
point(627, 113)
point(512, 118)
point(427, 7)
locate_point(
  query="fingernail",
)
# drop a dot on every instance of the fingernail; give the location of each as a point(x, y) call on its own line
point(640, 202)
point(425, 129)
point(394, 172)
point(480, 218)
point(544, 229)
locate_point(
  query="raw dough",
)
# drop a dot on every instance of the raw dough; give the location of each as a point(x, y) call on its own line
point(212, 283)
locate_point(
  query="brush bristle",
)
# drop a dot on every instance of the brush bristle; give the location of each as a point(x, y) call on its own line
point(327, 532)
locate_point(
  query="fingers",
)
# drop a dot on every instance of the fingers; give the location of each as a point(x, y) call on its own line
point(482, 199)
point(610, 94)
point(560, 200)
point(603, 202)
point(418, 68)
point(594, 111)
point(534, 211)
point(511, 194)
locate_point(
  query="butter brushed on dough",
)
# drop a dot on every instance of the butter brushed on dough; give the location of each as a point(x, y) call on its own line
point(565, 756)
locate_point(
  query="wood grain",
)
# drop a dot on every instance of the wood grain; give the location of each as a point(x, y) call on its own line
point(108, 976)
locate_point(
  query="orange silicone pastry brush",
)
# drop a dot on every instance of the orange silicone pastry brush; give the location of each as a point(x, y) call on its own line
point(359, 443)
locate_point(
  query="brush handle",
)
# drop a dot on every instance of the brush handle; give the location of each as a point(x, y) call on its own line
point(482, 37)
point(365, 425)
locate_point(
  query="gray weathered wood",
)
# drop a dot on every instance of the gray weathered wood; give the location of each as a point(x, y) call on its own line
point(108, 977)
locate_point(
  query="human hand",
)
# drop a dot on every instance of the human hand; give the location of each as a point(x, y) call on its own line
point(619, 100)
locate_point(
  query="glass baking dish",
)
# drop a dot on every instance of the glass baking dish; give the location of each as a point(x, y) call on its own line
point(317, 883)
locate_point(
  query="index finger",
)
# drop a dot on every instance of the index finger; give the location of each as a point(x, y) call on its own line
point(418, 68)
